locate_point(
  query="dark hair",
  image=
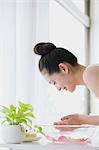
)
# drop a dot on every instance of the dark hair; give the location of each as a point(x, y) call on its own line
point(52, 56)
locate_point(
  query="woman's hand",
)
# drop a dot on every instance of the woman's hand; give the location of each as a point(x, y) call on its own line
point(74, 119)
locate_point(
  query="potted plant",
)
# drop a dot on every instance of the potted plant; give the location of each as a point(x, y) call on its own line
point(16, 120)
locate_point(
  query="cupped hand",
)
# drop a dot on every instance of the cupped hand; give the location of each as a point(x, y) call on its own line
point(73, 119)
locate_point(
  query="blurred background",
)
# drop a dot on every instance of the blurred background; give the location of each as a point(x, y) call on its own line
point(72, 24)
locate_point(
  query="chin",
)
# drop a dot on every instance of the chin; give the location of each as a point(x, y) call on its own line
point(72, 90)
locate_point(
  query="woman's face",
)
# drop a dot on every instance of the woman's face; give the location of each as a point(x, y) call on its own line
point(62, 80)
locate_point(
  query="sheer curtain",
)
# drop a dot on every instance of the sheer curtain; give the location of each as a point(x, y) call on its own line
point(19, 32)
point(7, 52)
point(25, 37)
point(17, 35)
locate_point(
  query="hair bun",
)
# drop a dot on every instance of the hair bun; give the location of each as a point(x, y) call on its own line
point(43, 48)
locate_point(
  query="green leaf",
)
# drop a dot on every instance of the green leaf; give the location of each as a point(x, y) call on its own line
point(29, 114)
point(8, 119)
point(5, 109)
point(40, 130)
point(12, 109)
point(3, 122)
point(22, 114)
point(25, 107)
point(22, 120)
point(30, 121)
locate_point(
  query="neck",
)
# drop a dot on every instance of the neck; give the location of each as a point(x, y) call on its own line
point(79, 74)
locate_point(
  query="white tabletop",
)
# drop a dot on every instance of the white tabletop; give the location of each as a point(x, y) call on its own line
point(42, 145)
point(37, 146)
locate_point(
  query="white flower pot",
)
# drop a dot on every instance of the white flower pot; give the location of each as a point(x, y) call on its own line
point(11, 134)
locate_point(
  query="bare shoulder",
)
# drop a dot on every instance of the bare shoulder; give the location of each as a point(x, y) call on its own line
point(91, 78)
point(91, 73)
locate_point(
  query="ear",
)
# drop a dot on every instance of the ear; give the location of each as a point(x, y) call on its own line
point(63, 68)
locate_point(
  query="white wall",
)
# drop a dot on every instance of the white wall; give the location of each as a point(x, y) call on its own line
point(68, 32)
point(56, 25)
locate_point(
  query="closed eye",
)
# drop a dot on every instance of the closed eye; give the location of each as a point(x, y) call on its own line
point(54, 83)
point(59, 89)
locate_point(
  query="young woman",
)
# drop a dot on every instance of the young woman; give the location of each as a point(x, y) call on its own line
point(61, 68)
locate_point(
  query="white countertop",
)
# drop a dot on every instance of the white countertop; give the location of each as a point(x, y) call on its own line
point(43, 145)
point(37, 146)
